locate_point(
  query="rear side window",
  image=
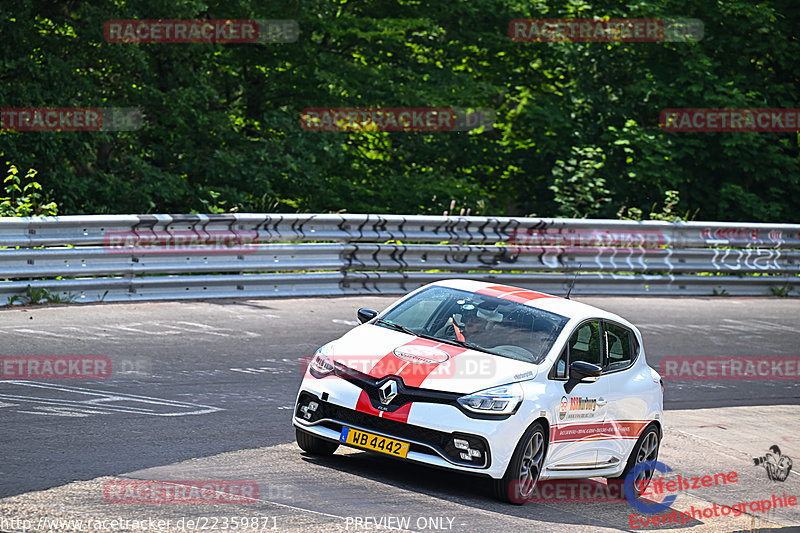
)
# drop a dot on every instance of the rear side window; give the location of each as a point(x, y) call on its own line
point(620, 342)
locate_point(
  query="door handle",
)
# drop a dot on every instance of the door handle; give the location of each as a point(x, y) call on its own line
point(601, 401)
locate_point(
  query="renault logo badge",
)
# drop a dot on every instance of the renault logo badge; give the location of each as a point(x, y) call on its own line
point(388, 391)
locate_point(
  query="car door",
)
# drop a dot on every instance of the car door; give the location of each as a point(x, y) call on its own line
point(626, 407)
point(581, 412)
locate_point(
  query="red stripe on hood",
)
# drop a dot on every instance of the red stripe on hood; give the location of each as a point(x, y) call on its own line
point(364, 406)
point(513, 294)
point(389, 364)
point(415, 373)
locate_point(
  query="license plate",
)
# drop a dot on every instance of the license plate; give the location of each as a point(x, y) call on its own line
point(362, 439)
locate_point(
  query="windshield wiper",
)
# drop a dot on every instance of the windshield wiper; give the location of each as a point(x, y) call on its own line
point(398, 327)
point(470, 345)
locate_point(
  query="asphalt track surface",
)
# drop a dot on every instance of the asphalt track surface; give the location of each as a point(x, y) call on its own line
point(208, 388)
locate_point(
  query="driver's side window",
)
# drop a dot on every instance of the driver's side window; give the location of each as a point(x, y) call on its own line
point(584, 345)
point(619, 343)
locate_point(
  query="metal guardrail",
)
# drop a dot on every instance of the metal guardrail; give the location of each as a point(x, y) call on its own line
point(92, 229)
point(118, 257)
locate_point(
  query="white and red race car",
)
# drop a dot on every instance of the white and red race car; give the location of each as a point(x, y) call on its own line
point(488, 379)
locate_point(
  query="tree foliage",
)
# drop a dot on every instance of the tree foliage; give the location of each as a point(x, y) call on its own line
point(576, 130)
point(24, 197)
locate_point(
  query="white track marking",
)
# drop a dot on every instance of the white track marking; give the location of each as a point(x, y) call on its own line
point(245, 370)
point(62, 411)
point(116, 332)
point(213, 330)
point(259, 370)
point(44, 333)
point(106, 397)
point(83, 331)
point(143, 332)
point(74, 404)
point(207, 330)
point(755, 325)
point(345, 322)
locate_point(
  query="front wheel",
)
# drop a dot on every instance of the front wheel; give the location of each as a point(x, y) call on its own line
point(524, 469)
point(314, 445)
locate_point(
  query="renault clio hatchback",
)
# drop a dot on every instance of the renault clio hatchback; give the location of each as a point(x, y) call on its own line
point(508, 383)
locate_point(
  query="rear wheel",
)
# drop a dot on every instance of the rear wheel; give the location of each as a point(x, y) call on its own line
point(524, 469)
point(314, 445)
point(645, 449)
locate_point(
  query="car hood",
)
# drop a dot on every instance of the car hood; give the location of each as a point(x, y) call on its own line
point(424, 363)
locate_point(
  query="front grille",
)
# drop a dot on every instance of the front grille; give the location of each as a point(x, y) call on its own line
point(440, 441)
point(405, 394)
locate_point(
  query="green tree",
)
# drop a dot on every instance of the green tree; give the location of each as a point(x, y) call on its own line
point(222, 129)
point(24, 197)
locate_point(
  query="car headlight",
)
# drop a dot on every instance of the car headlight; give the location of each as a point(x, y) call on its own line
point(321, 364)
point(502, 400)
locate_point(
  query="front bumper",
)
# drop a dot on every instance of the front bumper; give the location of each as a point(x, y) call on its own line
point(430, 426)
point(429, 446)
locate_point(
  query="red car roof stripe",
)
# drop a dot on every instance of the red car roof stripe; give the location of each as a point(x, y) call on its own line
point(513, 293)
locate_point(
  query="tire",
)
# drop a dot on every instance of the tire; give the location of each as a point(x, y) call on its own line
point(523, 471)
point(314, 445)
point(645, 449)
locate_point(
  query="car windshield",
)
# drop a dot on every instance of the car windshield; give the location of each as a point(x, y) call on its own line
point(493, 325)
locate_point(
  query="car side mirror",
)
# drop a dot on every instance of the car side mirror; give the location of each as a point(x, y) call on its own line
point(365, 315)
point(582, 372)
